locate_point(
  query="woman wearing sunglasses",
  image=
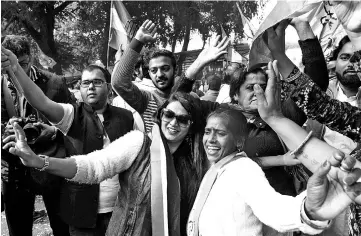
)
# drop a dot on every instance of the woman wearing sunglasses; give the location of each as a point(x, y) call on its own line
point(134, 157)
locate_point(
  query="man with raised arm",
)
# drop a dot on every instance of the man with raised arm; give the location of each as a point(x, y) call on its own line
point(162, 69)
point(88, 126)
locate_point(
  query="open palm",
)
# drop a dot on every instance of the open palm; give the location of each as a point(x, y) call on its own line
point(20, 147)
point(147, 32)
point(213, 49)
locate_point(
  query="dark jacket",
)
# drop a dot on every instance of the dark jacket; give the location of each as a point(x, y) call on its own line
point(79, 202)
point(132, 212)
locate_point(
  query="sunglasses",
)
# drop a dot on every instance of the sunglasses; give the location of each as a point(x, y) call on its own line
point(183, 120)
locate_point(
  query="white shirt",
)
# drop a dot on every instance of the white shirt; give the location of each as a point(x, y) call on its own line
point(108, 188)
point(241, 199)
point(343, 98)
point(223, 96)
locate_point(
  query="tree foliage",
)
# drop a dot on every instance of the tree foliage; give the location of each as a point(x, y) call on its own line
point(176, 19)
point(72, 33)
point(75, 33)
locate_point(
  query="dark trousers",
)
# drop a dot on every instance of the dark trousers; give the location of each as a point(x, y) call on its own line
point(99, 230)
point(19, 207)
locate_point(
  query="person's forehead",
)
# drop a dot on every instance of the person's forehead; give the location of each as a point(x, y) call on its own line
point(94, 74)
point(177, 108)
point(160, 61)
point(253, 78)
point(347, 48)
point(217, 123)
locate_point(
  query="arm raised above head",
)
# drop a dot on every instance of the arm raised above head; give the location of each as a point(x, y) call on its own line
point(33, 94)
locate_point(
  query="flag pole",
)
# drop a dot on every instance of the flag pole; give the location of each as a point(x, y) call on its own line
point(111, 18)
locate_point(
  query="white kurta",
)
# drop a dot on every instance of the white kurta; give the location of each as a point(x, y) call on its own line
point(241, 199)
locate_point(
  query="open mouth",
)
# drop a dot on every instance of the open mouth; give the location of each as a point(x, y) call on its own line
point(172, 130)
point(212, 149)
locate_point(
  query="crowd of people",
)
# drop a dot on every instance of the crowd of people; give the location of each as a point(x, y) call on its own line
point(266, 150)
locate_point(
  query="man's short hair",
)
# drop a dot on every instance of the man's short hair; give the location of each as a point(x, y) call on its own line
point(214, 81)
point(19, 45)
point(105, 72)
point(162, 53)
point(342, 43)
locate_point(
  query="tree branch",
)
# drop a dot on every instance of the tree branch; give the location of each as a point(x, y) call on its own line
point(61, 7)
point(9, 23)
point(33, 32)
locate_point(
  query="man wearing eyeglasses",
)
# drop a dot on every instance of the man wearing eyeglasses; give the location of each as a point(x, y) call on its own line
point(20, 185)
point(162, 71)
point(87, 126)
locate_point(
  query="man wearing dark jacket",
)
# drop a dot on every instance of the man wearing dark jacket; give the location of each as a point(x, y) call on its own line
point(20, 185)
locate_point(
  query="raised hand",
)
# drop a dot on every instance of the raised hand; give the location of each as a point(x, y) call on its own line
point(213, 50)
point(9, 61)
point(147, 32)
point(269, 101)
point(274, 38)
point(19, 147)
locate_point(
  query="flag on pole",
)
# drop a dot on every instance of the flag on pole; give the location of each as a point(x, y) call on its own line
point(232, 54)
point(229, 48)
point(247, 25)
point(319, 13)
point(120, 26)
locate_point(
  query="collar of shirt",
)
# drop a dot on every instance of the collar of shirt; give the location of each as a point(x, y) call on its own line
point(343, 98)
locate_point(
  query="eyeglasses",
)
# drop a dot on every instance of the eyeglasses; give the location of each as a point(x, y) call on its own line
point(183, 120)
point(154, 70)
point(95, 82)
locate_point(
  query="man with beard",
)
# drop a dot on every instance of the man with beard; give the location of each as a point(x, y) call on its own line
point(348, 78)
point(162, 69)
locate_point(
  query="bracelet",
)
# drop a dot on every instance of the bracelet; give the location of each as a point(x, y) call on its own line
point(319, 225)
point(302, 144)
point(46, 163)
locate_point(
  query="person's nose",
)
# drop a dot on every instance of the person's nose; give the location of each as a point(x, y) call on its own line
point(174, 122)
point(212, 137)
point(91, 86)
point(159, 72)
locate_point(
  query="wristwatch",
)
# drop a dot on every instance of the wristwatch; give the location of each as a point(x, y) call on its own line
point(46, 163)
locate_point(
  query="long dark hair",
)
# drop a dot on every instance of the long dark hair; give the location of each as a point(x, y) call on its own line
point(190, 158)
